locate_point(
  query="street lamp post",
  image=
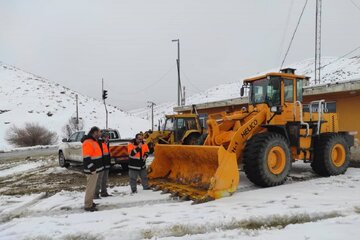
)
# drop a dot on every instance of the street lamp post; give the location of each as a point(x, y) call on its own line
point(178, 69)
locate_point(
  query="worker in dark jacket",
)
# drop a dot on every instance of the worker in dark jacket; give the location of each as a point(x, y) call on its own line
point(104, 175)
point(92, 159)
point(138, 153)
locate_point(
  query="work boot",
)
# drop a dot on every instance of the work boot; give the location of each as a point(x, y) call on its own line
point(105, 195)
point(95, 204)
point(133, 191)
point(91, 209)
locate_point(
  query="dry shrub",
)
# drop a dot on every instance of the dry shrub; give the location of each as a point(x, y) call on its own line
point(31, 134)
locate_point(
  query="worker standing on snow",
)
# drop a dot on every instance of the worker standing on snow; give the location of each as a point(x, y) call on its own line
point(138, 153)
point(104, 175)
point(93, 164)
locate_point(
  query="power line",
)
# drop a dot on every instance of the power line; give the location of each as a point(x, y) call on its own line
point(285, 29)
point(339, 58)
point(152, 84)
point(190, 81)
point(293, 36)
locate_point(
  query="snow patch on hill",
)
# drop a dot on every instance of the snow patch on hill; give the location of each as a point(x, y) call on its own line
point(25, 97)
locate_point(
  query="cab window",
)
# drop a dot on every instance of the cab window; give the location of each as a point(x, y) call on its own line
point(265, 90)
point(203, 118)
point(169, 124)
point(191, 124)
point(288, 90)
point(180, 123)
point(299, 89)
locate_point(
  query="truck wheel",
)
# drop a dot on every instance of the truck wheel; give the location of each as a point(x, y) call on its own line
point(193, 139)
point(331, 155)
point(267, 160)
point(62, 160)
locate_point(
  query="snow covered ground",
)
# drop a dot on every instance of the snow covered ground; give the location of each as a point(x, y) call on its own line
point(25, 97)
point(334, 70)
point(306, 207)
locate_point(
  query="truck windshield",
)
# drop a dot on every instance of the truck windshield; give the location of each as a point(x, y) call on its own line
point(265, 91)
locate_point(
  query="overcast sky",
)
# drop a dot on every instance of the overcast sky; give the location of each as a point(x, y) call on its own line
point(128, 43)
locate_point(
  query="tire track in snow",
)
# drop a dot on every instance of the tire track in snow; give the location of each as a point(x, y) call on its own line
point(21, 210)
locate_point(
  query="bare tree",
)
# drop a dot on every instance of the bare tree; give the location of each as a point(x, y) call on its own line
point(71, 126)
point(31, 134)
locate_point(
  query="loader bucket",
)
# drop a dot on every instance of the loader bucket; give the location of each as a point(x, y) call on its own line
point(199, 173)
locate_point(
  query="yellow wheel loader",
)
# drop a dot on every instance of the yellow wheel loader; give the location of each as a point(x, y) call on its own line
point(183, 129)
point(266, 137)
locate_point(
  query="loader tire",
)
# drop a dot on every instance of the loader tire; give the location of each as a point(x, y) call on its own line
point(267, 160)
point(192, 139)
point(331, 155)
point(202, 138)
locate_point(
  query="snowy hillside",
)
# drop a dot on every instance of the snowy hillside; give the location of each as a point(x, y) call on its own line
point(25, 97)
point(334, 70)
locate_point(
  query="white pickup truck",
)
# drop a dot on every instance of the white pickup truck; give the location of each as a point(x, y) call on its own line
point(70, 150)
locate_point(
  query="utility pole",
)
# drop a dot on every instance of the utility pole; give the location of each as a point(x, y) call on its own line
point(178, 69)
point(318, 41)
point(183, 97)
point(77, 112)
point(104, 96)
point(151, 105)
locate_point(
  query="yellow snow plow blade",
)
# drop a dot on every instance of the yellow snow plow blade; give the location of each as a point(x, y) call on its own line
point(199, 173)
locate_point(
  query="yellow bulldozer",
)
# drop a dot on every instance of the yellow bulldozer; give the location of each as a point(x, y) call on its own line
point(186, 129)
point(265, 138)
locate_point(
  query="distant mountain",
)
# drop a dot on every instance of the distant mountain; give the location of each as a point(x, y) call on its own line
point(25, 97)
point(334, 70)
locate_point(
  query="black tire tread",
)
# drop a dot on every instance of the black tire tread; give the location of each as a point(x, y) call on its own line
point(254, 152)
point(192, 137)
point(322, 164)
point(66, 163)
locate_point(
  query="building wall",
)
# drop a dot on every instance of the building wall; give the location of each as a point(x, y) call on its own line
point(347, 108)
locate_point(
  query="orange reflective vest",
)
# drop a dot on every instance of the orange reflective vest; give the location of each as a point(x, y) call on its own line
point(137, 156)
point(92, 156)
point(106, 155)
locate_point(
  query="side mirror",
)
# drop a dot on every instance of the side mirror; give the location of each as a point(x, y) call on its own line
point(242, 91)
point(64, 140)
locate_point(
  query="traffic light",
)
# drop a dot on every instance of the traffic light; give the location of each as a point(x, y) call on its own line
point(104, 95)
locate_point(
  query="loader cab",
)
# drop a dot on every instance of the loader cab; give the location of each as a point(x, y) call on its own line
point(181, 126)
point(277, 91)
